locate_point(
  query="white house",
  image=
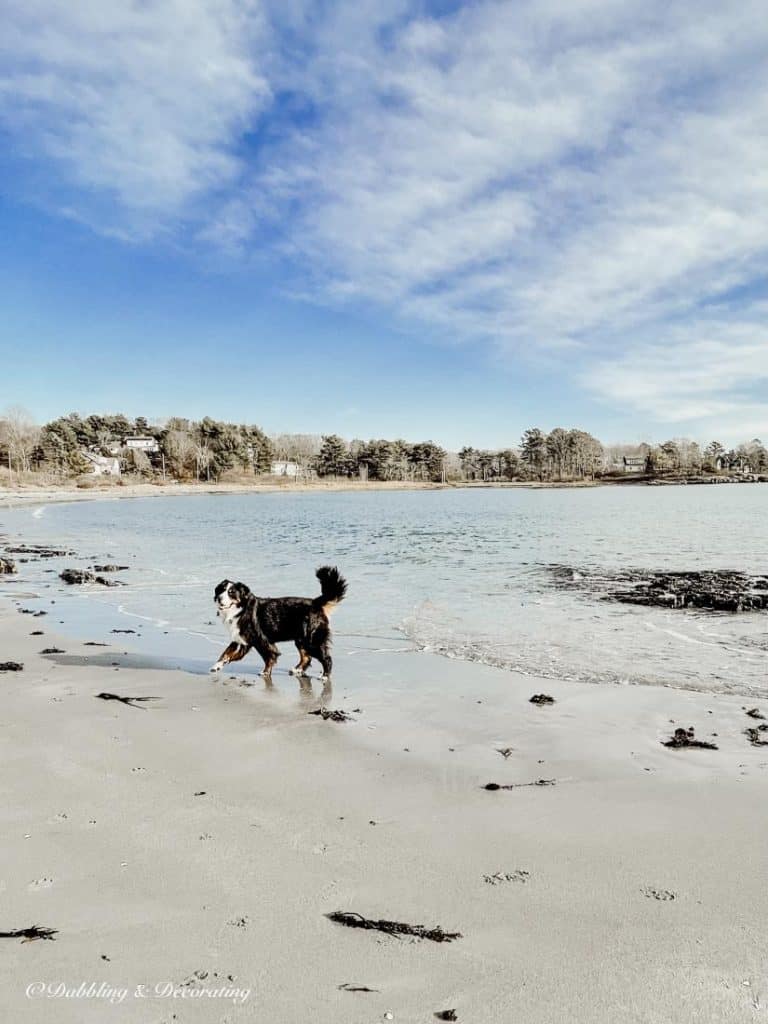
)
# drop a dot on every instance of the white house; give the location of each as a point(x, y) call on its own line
point(101, 465)
point(733, 463)
point(285, 469)
point(143, 443)
point(633, 463)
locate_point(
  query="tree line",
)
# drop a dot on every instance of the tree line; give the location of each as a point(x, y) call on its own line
point(209, 449)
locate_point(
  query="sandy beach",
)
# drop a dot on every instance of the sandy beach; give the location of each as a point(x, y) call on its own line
point(31, 494)
point(194, 844)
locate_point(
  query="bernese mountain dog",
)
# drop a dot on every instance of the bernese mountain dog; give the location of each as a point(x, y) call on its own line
point(262, 622)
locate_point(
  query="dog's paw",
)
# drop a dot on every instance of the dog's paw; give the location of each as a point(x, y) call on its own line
point(217, 667)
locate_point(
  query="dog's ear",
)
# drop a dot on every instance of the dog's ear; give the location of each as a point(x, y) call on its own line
point(240, 592)
point(220, 588)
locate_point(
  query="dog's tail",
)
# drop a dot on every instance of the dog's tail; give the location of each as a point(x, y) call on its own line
point(333, 587)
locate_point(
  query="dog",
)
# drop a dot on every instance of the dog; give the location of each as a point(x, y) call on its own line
point(262, 622)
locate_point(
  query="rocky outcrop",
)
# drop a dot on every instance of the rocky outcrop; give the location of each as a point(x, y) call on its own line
point(39, 551)
point(713, 590)
point(73, 576)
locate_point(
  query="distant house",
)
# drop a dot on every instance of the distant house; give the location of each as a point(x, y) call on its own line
point(731, 463)
point(101, 465)
point(142, 443)
point(285, 469)
point(633, 463)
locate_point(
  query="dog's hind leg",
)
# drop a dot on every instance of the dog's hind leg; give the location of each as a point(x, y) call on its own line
point(324, 657)
point(232, 653)
point(305, 659)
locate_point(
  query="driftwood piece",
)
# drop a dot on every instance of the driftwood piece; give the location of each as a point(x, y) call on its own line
point(685, 738)
point(352, 920)
point(349, 987)
point(542, 698)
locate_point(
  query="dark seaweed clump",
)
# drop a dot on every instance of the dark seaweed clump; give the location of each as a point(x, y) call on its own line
point(711, 590)
point(352, 920)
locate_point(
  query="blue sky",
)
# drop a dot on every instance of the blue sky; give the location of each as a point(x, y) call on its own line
point(388, 218)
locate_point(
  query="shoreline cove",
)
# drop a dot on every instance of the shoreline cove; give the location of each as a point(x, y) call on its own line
point(203, 834)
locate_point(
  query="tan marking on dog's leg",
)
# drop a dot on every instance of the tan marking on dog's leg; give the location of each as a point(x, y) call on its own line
point(305, 661)
point(234, 652)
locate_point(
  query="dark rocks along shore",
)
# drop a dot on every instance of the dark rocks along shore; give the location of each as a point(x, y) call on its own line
point(713, 590)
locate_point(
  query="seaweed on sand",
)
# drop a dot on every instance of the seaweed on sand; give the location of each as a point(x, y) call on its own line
point(352, 920)
point(30, 934)
point(125, 700)
point(685, 738)
point(493, 786)
point(334, 716)
point(753, 735)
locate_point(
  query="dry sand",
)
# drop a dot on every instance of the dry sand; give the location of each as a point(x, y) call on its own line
point(212, 832)
point(101, 490)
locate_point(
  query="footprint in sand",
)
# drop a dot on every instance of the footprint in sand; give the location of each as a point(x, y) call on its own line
point(57, 819)
point(658, 894)
point(40, 883)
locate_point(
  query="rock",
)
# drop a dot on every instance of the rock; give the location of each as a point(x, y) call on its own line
point(111, 568)
point(711, 590)
point(542, 698)
point(84, 576)
point(7, 565)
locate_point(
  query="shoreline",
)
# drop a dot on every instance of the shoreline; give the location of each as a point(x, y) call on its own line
point(201, 837)
point(27, 494)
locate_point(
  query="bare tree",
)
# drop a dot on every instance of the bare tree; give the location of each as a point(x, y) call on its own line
point(20, 434)
point(181, 451)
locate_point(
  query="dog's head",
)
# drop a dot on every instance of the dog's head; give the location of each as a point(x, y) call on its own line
point(230, 595)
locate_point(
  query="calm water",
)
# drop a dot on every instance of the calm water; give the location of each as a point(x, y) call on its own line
point(459, 573)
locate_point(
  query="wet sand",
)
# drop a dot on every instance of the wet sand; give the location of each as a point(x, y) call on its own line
point(212, 829)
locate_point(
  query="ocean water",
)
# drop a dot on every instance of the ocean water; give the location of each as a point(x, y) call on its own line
point(460, 573)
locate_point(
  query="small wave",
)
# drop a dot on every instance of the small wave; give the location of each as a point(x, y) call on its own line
point(39, 512)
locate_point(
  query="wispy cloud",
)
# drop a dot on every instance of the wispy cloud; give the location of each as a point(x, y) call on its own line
point(141, 104)
point(580, 180)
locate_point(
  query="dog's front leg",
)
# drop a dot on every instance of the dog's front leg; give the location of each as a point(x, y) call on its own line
point(234, 652)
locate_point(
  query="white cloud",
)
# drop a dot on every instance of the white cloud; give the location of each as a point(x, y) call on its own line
point(141, 100)
point(571, 179)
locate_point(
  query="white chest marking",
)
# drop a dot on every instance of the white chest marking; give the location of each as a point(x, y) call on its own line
point(231, 618)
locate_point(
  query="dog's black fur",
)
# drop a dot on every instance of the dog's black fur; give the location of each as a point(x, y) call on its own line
point(262, 622)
